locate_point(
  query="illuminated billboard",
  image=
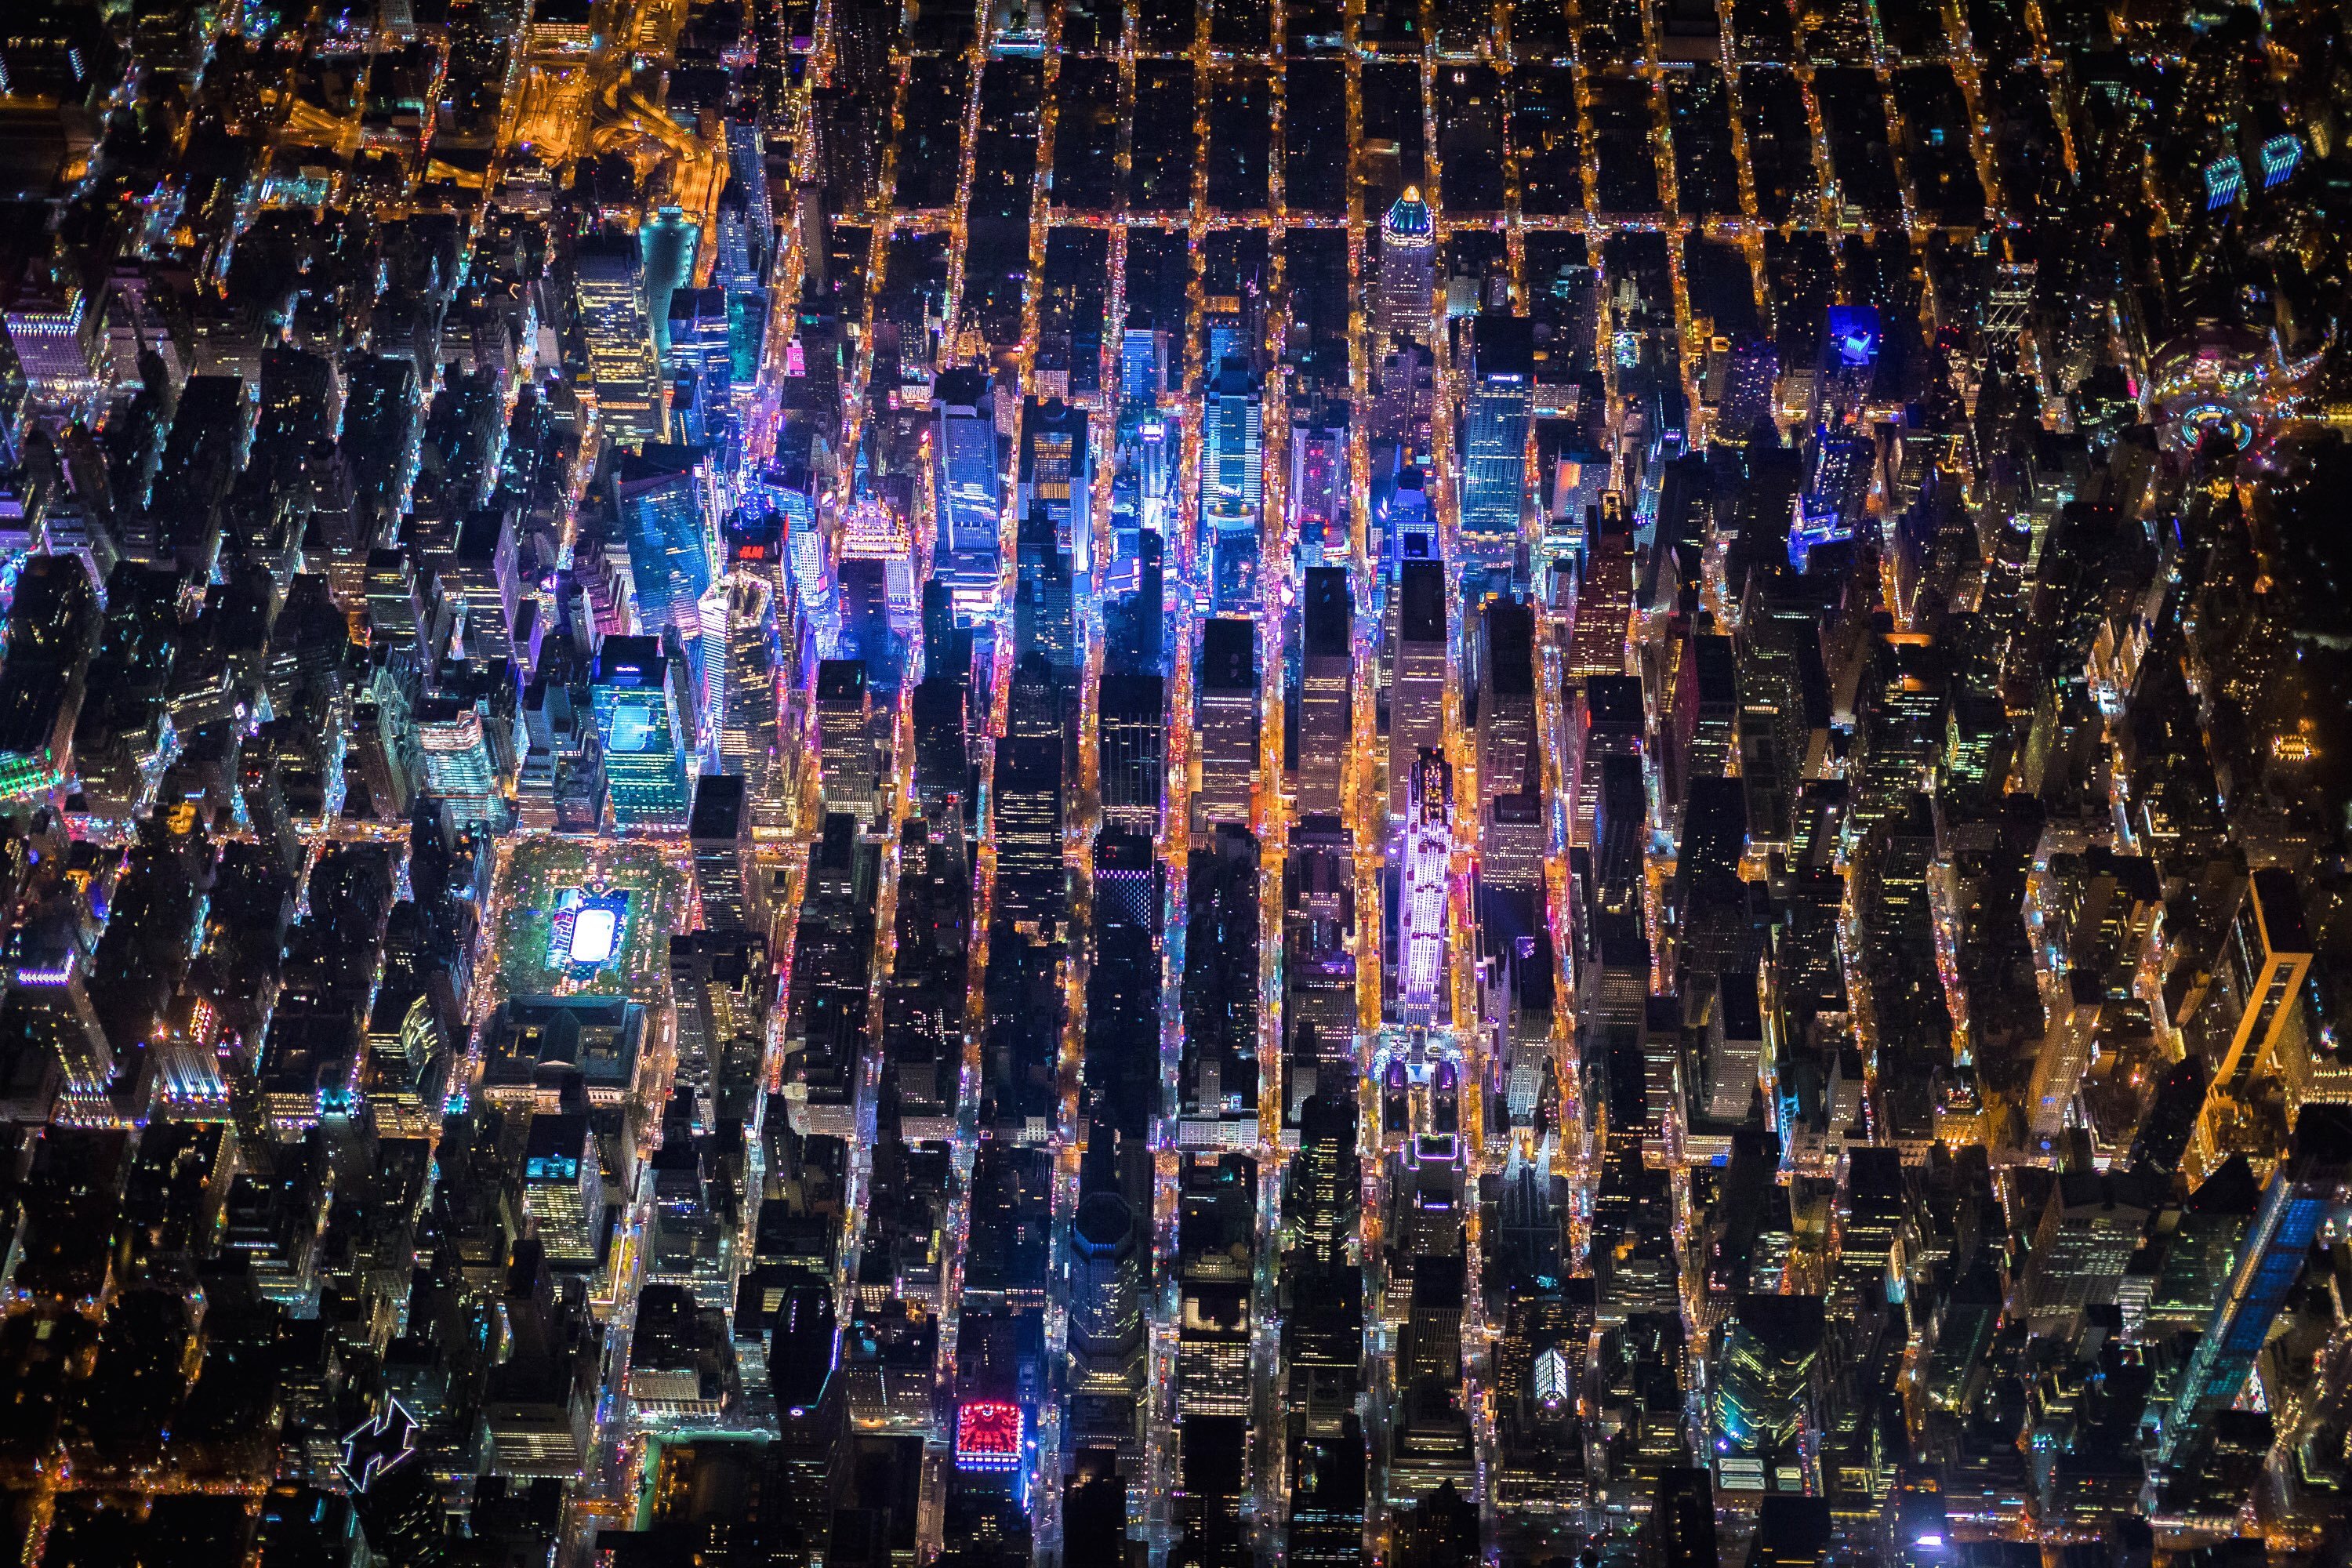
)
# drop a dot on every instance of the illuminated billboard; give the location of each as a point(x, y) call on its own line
point(989, 1435)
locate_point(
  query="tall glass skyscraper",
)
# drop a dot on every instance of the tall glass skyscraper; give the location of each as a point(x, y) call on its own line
point(967, 480)
point(1764, 1377)
point(1106, 1317)
point(968, 475)
point(746, 223)
point(645, 771)
point(622, 371)
point(1495, 437)
point(1233, 445)
point(457, 762)
point(744, 710)
point(700, 356)
point(2309, 1186)
point(659, 494)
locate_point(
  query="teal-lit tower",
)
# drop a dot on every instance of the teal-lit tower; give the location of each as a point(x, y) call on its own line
point(636, 721)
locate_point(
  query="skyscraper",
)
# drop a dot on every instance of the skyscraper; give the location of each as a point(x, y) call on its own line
point(1123, 993)
point(1326, 701)
point(1327, 1498)
point(1043, 619)
point(1417, 684)
point(49, 1002)
point(1408, 268)
point(636, 721)
point(1233, 444)
point(1752, 368)
point(1140, 378)
point(2308, 1185)
point(1057, 473)
point(563, 1189)
point(1319, 479)
point(811, 1405)
point(457, 765)
point(967, 481)
point(394, 618)
point(659, 496)
point(1620, 820)
point(744, 710)
point(56, 336)
point(1495, 435)
point(716, 832)
point(1605, 719)
point(1318, 904)
point(1764, 1380)
point(1604, 599)
point(1030, 889)
point(743, 261)
point(845, 724)
point(1682, 1520)
point(623, 375)
point(943, 758)
point(1106, 1326)
point(1126, 888)
point(2267, 953)
point(482, 571)
point(1506, 700)
point(1131, 736)
point(877, 531)
point(1326, 1176)
point(700, 365)
point(1227, 722)
point(52, 631)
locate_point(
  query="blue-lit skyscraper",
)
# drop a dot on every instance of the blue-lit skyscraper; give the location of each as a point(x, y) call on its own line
point(811, 570)
point(1836, 494)
point(1233, 444)
point(1139, 367)
point(2310, 1185)
point(644, 770)
point(1106, 1317)
point(659, 496)
point(967, 480)
point(967, 474)
point(1495, 437)
point(1043, 622)
point(700, 366)
point(747, 217)
point(1839, 473)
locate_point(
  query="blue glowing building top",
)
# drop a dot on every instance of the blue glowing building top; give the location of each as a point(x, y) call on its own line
point(659, 495)
point(1408, 216)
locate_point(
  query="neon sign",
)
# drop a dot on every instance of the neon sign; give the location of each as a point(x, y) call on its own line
point(989, 1435)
